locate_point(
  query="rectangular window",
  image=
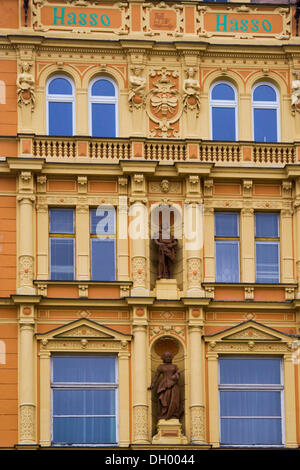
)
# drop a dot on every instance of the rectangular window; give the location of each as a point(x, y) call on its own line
point(62, 245)
point(267, 247)
point(103, 120)
point(250, 392)
point(84, 399)
point(227, 247)
point(103, 244)
point(223, 124)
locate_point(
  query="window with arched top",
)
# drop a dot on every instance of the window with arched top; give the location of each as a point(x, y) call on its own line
point(103, 107)
point(223, 112)
point(60, 106)
point(265, 113)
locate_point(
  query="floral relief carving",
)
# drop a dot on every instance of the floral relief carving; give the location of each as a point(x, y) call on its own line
point(194, 272)
point(27, 425)
point(25, 270)
point(197, 424)
point(170, 329)
point(141, 423)
point(139, 271)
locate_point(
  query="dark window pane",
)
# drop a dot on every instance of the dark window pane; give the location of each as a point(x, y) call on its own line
point(103, 259)
point(83, 402)
point(84, 369)
point(249, 371)
point(265, 125)
point(264, 93)
point(61, 221)
point(266, 225)
point(84, 430)
point(102, 221)
point(251, 431)
point(103, 120)
point(223, 124)
point(103, 88)
point(223, 92)
point(267, 262)
point(226, 224)
point(227, 261)
point(60, 118)
point(60, 86)
point(250, 403)
point(62, 259)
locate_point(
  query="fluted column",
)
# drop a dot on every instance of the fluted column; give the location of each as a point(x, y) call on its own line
point(197, 421)
point(124, 398)
point(45, 399)
point(213, 399)
point(27, 406)
point(290, 401)
point(140, 405)
point(25, 245)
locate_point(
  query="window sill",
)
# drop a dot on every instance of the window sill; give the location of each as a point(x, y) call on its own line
point(248, 291)
point(83, 289)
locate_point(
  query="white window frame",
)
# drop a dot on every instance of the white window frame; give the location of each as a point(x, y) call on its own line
point(103, 100)
point(267, 242)
point(58, 98)
point(266, 105)
point(223, 104)
point(87, 385)
point(223, 239)
point(254, 387)
point(70, 236)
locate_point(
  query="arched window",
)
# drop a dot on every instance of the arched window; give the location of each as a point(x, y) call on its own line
point(223, 112)
point(60, 103)
point(265, 113)
point(103, 107)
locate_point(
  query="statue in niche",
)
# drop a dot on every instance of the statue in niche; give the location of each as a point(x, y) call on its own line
point(25, 85)
point(137, 88)
point(169, 403)
point(166, 254)
point(191, 89)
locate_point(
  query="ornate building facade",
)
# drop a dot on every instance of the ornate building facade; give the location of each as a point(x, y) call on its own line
point(110, 113)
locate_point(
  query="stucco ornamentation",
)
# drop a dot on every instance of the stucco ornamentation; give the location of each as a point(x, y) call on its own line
point(191, 87)
point(27, 427)
point(141, 423)
point(136, 96)
point(296, 95)
point(25, 86)
point(197, 424)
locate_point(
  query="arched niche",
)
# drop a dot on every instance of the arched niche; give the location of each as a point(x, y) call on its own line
point(161, 345)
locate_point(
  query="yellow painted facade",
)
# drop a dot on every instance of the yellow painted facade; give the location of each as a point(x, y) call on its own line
point(163, 59)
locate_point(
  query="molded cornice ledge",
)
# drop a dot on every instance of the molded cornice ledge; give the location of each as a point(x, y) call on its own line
point(19, 163)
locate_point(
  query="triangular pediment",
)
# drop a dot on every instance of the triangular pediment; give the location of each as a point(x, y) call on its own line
point(84, 329)
point(249, 331)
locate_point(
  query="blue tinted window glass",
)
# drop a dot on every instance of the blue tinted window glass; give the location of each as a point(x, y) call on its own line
point(60, 86)
point(267, 262)
point(103, 259)
point(223, 92)
point(226, 224)
point(251, 431)
point(60, 118)
point(223, 124)
point(103, 120)
point(250, 403)
point(227, 261)
point(264, 93)
point(62, 259)
point(265, 125)
point(84, 430)
point(103, 221)
point(266, 225)
point(249, 371)
point(61, 221)
point(83, 402)
point(100, 369)
point(103, 88)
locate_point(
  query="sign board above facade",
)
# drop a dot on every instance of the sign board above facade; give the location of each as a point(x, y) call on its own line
point(164, 20)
